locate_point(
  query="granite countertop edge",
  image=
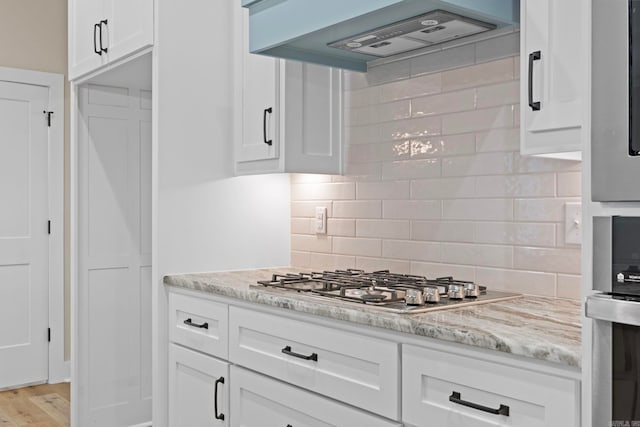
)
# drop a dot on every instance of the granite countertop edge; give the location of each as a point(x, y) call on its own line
point(541, 328)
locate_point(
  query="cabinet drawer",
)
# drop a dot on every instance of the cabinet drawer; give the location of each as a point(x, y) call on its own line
point(358, 370)
point(199, 323)
point(258, 401)
point(430, 378)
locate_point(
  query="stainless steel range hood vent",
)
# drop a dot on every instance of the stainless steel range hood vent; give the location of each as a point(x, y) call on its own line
point(351, 33)
point(418, 32)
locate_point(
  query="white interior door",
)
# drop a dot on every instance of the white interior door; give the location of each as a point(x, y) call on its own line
point(113, 353)
point(23, 234)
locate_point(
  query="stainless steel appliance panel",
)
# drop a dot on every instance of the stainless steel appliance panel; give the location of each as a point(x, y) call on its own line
point(602, 253)
point(615, 173)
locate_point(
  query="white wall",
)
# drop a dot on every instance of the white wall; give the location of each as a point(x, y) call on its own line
point(205, 219)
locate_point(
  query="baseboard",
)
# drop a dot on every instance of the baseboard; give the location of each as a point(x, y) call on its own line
point(62, 374)
point(147, 424)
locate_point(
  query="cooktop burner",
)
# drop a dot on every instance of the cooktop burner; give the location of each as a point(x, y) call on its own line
point(401, 293)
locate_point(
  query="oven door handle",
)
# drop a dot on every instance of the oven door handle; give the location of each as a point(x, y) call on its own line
point(605, 307)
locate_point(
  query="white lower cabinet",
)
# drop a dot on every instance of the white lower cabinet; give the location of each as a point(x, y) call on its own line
point(198, 389)
point(259, 401)
point(289, 371)
point(458, 391)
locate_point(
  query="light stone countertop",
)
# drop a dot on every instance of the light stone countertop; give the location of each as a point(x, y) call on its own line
point(536, 327)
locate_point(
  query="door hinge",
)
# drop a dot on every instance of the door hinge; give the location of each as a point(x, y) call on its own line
point(49, 227)
point(48, 114)
point(49, 334)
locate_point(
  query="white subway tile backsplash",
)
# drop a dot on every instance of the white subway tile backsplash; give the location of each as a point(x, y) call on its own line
point(478, 75)
point(300, 259)
point(443, 60)
point(362, 97)
point(478, 209)
point(393, 111)
point(382, 190)
point(551, 210)
point(570, 184)
point(548, 260)
point(434, 183)
point(442, 103)
point(515, 233)
point(499, 94)
point(498, 140)
point(443, 231)
point(411, 250)
point(474, 254)
point(363, 134)
point(516, 186)
point(375, 264)
point(301, 226)
point(530, 282)
point(340, 227)
point(479, 164)
point(324, 191)
point(568, 286)
point(411, 169)
point(331, 261)
point(301, 242)
point(388, 229)
point(358, 209)
point(410, 128)
point(443, 188)
point(433, 270)
point(478, 120)
point(357, 246)
point(308, 208)
point(411, 209)
point(418, 86)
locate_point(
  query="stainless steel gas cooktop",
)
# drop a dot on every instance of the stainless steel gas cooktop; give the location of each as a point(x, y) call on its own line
point(399, 293)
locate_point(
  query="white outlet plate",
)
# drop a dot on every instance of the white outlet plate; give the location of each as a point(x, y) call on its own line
point(320, 224)
point(573, 223)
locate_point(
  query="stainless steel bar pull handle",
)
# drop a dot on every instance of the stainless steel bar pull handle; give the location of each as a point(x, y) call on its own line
point(264, 125)
point(533, 56)
point(457, 398)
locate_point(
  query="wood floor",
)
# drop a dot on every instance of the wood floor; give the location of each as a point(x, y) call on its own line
point(44, 405)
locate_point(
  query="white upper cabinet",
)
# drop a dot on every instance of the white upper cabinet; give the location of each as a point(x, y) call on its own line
point(103, 31)
point(290, 114)
point(259, 137)
point(552, 73)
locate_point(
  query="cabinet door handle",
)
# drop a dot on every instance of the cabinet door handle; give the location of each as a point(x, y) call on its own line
point(287, 350)
point(103, 22)
point(215, 399)
point(457, 398)
point(264, 125)
point(533, 56)
point(189, 322)
point(96, 27)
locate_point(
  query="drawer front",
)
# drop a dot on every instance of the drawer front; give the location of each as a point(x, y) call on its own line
point(358, 370)
point(430, 378)
point(258, 401)
point(200, 324)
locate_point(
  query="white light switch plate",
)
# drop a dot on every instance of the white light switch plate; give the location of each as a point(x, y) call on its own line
point(321, 220)
point(573, 223)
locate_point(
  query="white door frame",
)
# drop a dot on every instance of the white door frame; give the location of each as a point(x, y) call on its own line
point(59, 369)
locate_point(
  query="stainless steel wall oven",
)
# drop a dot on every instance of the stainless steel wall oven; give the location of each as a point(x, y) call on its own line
point(616, 311)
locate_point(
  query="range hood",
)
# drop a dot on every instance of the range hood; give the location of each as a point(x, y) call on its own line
point(350, 33)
